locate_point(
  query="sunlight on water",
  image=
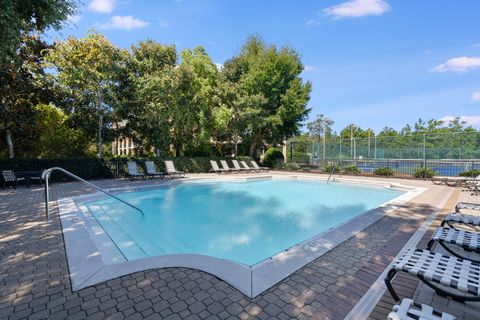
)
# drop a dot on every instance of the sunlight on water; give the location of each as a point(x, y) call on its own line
point(242, 221)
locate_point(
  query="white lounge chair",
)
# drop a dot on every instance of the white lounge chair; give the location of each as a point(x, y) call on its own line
point(9, 176)
point(435, 269)
point(468, 241)
point(133, 171)
point(247, 167)
point(226, 167)
point(152, 171)
point(256, 166)
point(171, 171)
point(216, 168)
point(454, 219)
point(410, 310)
point(237, 166)
point(467, 206)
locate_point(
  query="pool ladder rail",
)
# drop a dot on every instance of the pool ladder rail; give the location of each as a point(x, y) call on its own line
point(330, 175)
point(46, 177)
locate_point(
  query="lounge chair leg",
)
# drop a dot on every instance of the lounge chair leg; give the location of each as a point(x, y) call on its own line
point(388, 283)
point(430, 244)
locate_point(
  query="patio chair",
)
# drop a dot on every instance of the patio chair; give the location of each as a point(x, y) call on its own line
point(468, 241)
point(9, 177)
point(246, 166)
point(171, 171)
point(472, 186)
point(216, 168)
point(237, 166)
point(453, 219)
point(411, 310)
point(226, 167)
point(435, 269)
point(38, 178)
point(133, 171)
point(467, 206)
point(256, 166)
point(152, 171)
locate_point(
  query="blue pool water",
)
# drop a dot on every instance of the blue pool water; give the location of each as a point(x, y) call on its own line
point(242, 221)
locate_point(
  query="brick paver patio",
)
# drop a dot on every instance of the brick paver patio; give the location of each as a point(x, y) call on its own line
point(35, 281)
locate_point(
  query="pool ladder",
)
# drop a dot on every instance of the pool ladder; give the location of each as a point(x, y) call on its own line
point(330, 175)
point(46, 176)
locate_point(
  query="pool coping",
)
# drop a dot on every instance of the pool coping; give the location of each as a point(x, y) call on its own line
point(93, 258)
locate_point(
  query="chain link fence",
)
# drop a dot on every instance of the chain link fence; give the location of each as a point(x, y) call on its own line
point(447, 154)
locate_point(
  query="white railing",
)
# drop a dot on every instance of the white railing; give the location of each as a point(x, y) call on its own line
point(46, 176)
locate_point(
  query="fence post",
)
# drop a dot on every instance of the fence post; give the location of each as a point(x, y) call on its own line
point(424, 155)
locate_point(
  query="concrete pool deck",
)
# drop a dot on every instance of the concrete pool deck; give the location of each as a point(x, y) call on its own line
point(99, 259)
point(36, 283)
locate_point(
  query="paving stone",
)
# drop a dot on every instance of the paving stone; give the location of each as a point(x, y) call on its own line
point(36, 281)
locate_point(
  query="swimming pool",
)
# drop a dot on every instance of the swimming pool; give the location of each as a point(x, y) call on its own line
point(242, 221)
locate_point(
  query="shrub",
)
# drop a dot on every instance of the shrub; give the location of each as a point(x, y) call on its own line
point(329, 167)
point(424, 173)
point(352, 169)
point(273, 156)
point(384, 171)
point(291, 166)
point(470, 173)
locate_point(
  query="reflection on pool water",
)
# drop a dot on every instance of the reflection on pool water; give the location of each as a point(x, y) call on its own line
point(246, 222)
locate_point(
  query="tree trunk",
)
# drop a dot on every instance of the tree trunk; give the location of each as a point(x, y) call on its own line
point(100, 140)
point(8, 138)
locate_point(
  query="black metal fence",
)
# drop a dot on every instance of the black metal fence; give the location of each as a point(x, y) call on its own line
point(94, 168)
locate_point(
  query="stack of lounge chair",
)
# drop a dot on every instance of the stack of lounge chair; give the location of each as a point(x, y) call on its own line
point(238, 166)
point(172, 172)
point(151, 170)
point(456, 276)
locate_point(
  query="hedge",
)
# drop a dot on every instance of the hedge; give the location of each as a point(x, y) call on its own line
point(94, 168)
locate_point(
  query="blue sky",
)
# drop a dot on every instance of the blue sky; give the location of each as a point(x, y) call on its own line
point(371, 62)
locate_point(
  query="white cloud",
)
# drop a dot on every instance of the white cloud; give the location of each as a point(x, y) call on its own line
point(103, 6)
point(357, 8)
point(476, 96)
point(473, 121)
point(125, 23)
point(308, 68)
point(312, 23)
point(460, 64)
point(219, 65)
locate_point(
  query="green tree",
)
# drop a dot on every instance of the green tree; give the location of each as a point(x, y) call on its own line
point(56, 139)
point(320, 127)
point(24, 84)
point(21, 17)
point(87, 67)
point(273, 73)
point(142, 112)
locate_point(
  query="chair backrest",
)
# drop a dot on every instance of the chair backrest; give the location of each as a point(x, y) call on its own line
point(215, 166)
point(150, 167)
point(254, 164)
point(236, 164)
point(132, 167)
point(245, 165)
point(224, 165)
point(8, 175)
point(170, 166)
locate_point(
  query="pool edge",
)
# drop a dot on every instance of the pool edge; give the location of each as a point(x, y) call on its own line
point(251, 281)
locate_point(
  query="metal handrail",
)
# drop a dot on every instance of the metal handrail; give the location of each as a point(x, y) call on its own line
point(331, 173)
point(46, 176)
